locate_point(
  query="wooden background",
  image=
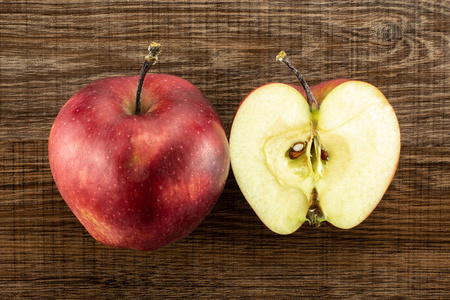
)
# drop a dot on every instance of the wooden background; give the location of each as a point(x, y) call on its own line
point(51, 49)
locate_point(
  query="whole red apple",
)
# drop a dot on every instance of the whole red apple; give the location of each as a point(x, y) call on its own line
point(139, 179)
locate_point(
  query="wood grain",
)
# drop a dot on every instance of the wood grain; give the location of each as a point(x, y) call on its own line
point(51, 49)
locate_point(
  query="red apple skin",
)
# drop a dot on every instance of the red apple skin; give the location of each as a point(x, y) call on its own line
point(139, 181)
point(321, 90)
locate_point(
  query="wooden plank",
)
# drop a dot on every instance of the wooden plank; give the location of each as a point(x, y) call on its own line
point(51, 49)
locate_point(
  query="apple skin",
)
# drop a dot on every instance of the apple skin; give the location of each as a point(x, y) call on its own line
point(139, 181)
point(321, 90)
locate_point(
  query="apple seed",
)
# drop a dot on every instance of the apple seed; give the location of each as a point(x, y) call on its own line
point(297, 150)
point(324, 154)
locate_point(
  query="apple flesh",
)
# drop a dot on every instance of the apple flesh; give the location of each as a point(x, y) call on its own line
point(139, 181)
point(294, 163)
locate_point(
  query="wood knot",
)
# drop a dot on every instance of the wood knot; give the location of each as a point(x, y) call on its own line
point(389, 32)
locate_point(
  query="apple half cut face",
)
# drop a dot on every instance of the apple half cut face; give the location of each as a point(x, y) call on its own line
point(332, 163)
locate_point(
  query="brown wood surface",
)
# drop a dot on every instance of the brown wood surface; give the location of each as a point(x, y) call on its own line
point(51, 49)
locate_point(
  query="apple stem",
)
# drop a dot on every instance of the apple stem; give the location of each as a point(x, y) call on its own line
point(153, 51)
point(313, 104)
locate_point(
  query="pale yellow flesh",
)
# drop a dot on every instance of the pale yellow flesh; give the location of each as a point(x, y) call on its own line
point(357, 127)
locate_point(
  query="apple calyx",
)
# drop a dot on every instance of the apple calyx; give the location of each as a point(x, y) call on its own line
point(153, 51)
point(317, 157)
point(315, 215)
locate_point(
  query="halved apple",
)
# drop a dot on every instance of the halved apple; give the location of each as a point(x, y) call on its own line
point(299, 159)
